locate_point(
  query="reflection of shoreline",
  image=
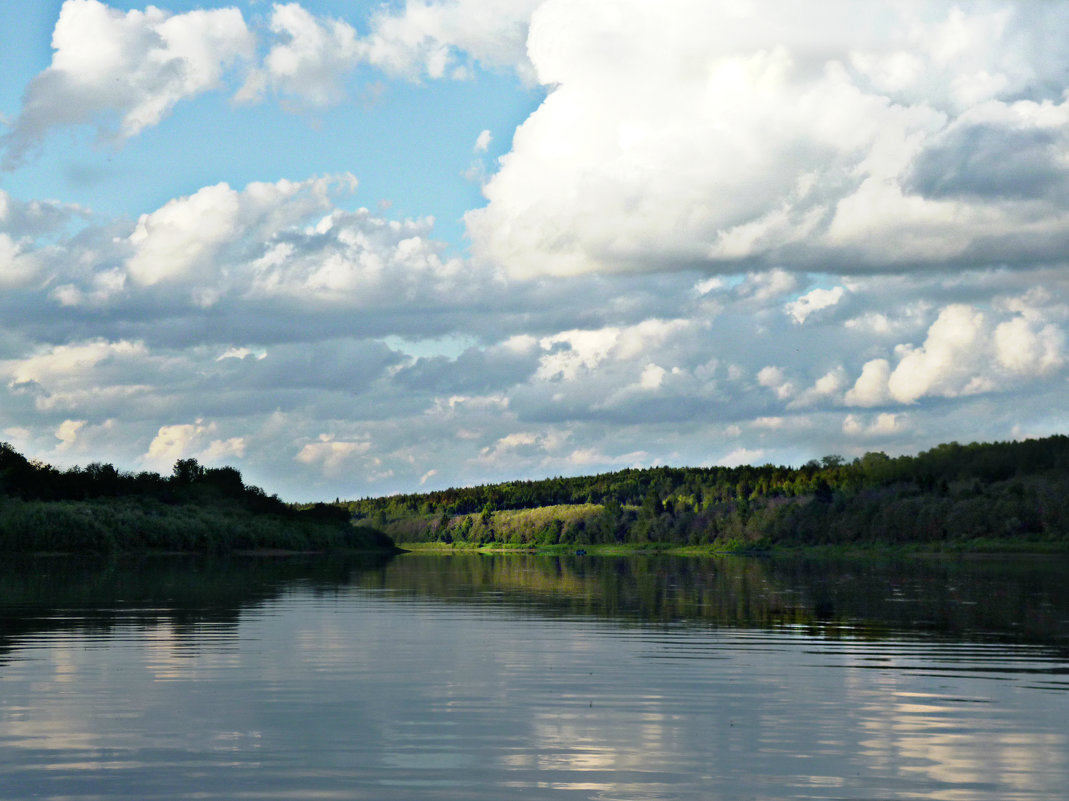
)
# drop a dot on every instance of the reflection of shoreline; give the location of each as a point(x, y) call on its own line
point(179, 593)
point(1008, 600)
point(1014, 600)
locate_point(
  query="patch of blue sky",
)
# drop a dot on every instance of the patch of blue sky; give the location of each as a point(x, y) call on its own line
point(449, 346)
point(25, 47)
point(409, 150)
point(355, 12)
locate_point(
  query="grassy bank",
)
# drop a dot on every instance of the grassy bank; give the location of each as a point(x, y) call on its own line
point(976, 546)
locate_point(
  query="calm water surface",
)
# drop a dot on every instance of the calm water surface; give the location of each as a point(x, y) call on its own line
point(474, 677)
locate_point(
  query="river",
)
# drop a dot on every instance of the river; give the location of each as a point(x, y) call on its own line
point(534, 677)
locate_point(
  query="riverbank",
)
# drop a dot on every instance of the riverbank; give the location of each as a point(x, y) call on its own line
point(996, 497)
point(956, 548)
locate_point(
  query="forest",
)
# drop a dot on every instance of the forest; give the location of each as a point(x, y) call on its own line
point(99, 509)
point(986, 496)
point(997, 496)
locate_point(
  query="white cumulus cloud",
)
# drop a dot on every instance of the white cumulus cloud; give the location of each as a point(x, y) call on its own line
point(186, 238)
point(332, 456)
point(842, 136)
point(190, 441)
point(440, 38)
point(131, 66)
point(1029, 347)
point(17, 266)
point(309, 58)
point(965, 352)
point(67, 433)
point(885, 424)
point(775, 379)
point(948, 363)
point(813, 301)
point(870, 389)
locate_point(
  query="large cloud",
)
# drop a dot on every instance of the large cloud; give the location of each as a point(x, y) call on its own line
point(732, 135)
point(133, 66)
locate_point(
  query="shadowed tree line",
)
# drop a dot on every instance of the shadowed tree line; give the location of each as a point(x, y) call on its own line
point(98, 508)
point(999, 492)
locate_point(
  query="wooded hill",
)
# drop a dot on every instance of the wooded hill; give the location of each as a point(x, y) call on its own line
point(208, 510)
point(1009, 492)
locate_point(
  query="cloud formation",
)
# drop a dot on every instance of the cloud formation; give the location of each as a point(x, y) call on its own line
point(328, 351)
point(966, 352)
point(309, 57)
point(437, 39)
point(716, 241)
point(124, 72)
point(728, 136)
point(265, 247)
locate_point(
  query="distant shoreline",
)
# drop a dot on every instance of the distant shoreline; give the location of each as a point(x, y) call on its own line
point(991, 548)
point(982, 497)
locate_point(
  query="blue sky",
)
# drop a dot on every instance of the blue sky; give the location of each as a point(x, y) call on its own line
point(359, 248)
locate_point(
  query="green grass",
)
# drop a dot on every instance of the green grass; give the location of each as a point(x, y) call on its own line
point(512, 527)
point(667, 549)
point(620, 549)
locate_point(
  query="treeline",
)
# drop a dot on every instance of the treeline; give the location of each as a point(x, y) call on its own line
point(98, 508)
point(953, 492)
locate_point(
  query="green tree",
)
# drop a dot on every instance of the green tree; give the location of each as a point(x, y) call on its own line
point(186, 471)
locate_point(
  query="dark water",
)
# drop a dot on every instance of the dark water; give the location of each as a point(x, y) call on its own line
point(474, 677)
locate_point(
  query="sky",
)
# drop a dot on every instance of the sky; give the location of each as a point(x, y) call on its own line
point(359, 248)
